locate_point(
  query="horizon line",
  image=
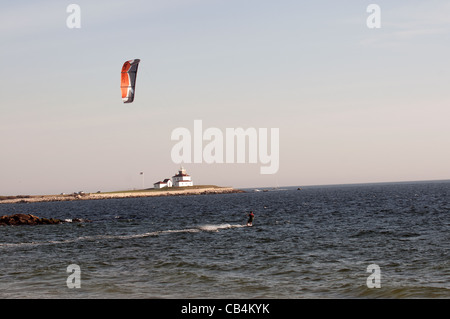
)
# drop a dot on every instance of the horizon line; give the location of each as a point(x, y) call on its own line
point(355, 183)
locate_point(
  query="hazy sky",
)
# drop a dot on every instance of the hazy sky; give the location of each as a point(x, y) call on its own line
point(352, 104)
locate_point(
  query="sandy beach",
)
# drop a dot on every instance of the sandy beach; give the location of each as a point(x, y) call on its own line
point(124, 194)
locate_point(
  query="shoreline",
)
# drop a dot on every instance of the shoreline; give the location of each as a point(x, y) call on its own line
point(120, 194)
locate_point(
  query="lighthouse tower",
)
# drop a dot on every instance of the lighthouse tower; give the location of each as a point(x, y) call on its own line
point(182, 179)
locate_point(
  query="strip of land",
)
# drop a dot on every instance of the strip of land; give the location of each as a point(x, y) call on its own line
point(172, 191)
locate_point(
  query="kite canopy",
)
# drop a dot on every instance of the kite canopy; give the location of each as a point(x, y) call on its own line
point(128, 80)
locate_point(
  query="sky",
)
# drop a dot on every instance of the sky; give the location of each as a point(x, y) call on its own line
point(353, 104)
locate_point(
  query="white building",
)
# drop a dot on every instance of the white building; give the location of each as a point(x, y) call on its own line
point(182, 179)
point(166, 183)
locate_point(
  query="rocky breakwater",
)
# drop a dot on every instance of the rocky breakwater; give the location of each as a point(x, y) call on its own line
point(29, 219)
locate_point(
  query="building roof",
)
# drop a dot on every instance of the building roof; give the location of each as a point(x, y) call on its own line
point(178, 175)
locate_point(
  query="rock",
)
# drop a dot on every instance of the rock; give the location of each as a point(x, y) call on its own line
point(27, 219)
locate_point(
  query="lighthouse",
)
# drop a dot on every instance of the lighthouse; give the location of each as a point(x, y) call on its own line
point(182, 179)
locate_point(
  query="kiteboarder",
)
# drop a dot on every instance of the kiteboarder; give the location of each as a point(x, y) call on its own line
point(251, 217)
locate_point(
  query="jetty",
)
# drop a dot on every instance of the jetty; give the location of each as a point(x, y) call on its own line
point(172, 191)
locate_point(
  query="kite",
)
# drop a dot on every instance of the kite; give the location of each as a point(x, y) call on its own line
point(128, 80)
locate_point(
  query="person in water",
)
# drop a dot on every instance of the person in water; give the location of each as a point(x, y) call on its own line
point(251, 217)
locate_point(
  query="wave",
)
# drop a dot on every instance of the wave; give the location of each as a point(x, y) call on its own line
point(215, 228)
point(201, 228)
point(404, 292)
point(207, 228)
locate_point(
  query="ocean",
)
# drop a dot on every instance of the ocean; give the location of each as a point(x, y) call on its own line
point(317, 242)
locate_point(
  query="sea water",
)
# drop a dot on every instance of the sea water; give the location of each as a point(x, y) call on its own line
point(317, 242)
